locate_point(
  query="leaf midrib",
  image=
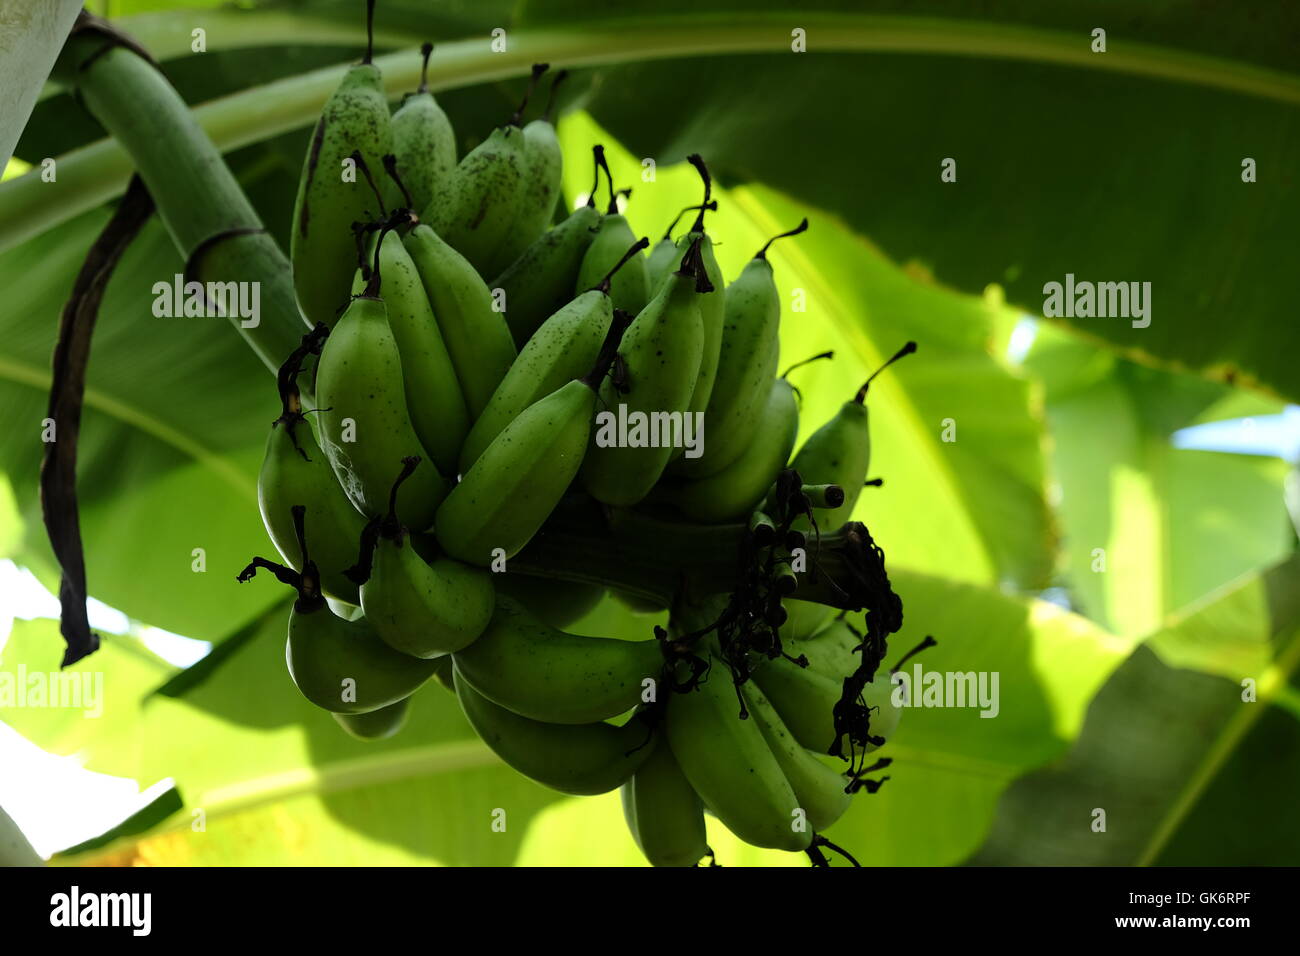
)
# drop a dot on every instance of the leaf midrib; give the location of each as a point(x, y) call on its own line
point(98, 171)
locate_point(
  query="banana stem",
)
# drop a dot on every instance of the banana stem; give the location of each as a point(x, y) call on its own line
point(198, 199)
point(659, 560)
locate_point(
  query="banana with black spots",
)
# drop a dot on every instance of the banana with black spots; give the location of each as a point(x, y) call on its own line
point(543, 172)
point(476, 210)
point(543, 278)
point(630, 287)
point(562, 349)
point(321, 246)
point(424, 143)
point(747, 363)
point(366, 429)
point(661, 361)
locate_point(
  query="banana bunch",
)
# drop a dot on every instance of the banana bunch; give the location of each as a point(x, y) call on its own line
point(482, 366)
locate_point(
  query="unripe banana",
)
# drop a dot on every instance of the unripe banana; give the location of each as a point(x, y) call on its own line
point(732, 493)
point(730, 765)
point(663, 257)
point(542, 279)
point(747, 361)
point(476, 336)
point(341, 666)
point(805, 619)
point(537, 671)
point(365, 428)
point(419, 602)
point(378, 724)
point(557, 603)
point(321, 246)
point(805, 699)
point(433, 396)
point(423, 142)
point(521, 476)
point(661, 357)
point(296, 472)
point(630, 287)
point(543, 172)
point(839, 453)
point(563, 349)
point(476, 211)
point(664, 812)
point(819, 789)
point(713, 301)
point(581, 759)
point(661, 261)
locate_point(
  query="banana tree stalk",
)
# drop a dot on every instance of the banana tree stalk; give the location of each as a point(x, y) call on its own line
point(203, 207)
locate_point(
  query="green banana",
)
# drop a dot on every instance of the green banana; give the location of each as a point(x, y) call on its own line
point(378, 724)
point(581, 759)
point(542, 279)
point(805, 619)
point(664, 256)
point(562, 349)
point(819, 789)
point(321, 247)
point(839, 453)
point(543, 171)
point(424, 143)
point(712, 304)
point(664, 812)
point(419, 602)
point(433, 395)
point(630, 288)
point(747, 361)
point(557, 603)
point(341, 666)
point(476, 336)
point(537, 671)
point(344, 667)
point(296, 472)
point(476, 210)
point(805, 698)
point(521, 476)
point(732, 493)
point(365, 428)
point(661, 358)
point(730, 765)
